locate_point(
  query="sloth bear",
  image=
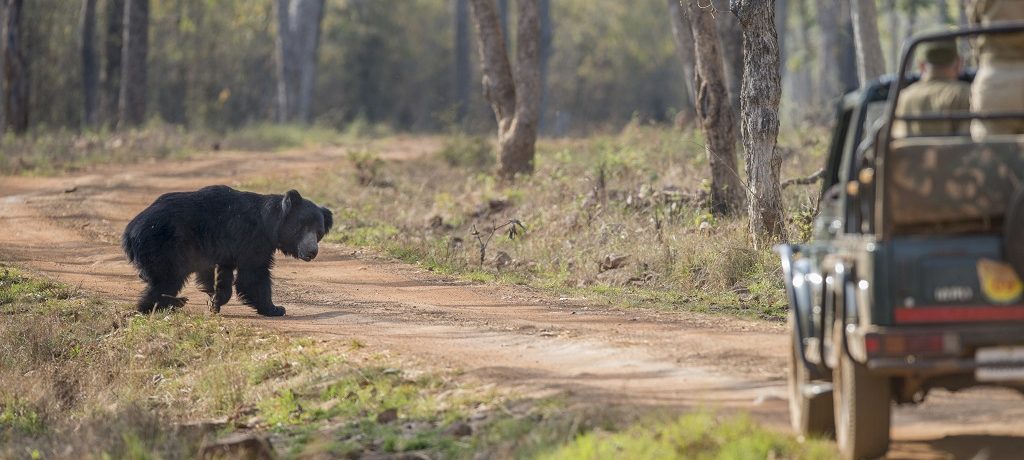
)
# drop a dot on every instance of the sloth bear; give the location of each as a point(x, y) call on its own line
point(214, 232)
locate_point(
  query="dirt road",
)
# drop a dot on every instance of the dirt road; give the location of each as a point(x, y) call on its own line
point(67, 228)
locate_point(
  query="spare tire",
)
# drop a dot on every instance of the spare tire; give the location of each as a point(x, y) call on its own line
point(1013, 233)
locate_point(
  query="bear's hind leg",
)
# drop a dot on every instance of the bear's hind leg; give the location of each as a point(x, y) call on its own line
point(216, 282)
point(161, 294)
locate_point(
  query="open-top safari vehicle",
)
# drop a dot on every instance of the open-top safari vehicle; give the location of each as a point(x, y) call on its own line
point(912, 278)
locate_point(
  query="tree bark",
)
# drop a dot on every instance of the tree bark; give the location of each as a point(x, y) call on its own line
point(112, 53)
point(870, 63)
point(762, 89)
point(715, 112)
point(90, 63)
point(463, 72)
point(135, 49)
point(298, 41)
point(684, 48)
point(16, 69)
point(515, 100)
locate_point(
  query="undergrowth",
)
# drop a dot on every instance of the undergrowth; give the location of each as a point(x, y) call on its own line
point(641, 195)
point(86, 378)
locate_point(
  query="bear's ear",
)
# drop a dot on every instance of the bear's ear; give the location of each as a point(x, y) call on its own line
point(290, 199)
point(328, 219)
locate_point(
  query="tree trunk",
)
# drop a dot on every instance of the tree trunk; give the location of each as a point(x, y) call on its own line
point(945, 17)
point(135, 48)
point(731, 36)
point(90, 63)
point(828, 70)
point(298, 41)
point(684, 47)
point(546, 36)
point(514, 100)
point(16, 70)
point(715, 112)
point(762, 89)
point(112, 54)
point(870, 63)
point(893, 20)
point(463, 72)
point(503, 16)
point(781, 16)
point(847, 51)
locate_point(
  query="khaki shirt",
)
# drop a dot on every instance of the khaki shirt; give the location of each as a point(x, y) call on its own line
point(1003, 47)
point(933, 96)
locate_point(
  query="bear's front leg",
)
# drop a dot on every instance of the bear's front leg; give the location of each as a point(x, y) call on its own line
point(253, 287)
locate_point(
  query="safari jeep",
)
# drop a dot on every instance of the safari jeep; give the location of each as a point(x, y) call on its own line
point(912, 278)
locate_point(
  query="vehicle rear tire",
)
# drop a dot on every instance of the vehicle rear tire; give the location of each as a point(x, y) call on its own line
point(862, 410)
point(810, 416)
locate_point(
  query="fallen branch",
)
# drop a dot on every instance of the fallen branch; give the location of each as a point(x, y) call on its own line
point(805, 180)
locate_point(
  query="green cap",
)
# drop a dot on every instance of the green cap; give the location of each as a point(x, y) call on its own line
point(940, 52)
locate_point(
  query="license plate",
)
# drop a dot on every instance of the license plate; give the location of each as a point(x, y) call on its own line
point(999, 364)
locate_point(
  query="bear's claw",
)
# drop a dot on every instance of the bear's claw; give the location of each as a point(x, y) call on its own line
point(273, 311)
point(172, 302)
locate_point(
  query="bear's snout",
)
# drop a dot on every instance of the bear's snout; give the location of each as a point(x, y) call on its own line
point(307, 249)
point(308, 255)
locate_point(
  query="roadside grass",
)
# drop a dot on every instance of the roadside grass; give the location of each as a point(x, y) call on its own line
point(640, 194)
point(87, 378)
point(48, 152)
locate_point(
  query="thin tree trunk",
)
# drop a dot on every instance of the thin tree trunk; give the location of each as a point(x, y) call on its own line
point(870, 63)
point(515, 100)
point(893, 19)
point(298, 41)
point(135, 49)
point(90, 63)
point(463, 72)
point(847, 50)
point(781, 29)
point(715, 112)
point(16, 69)
point(112, 54)
point(731, 36)
point(911, 18)
point(546, 37)
point(944, 15)
point(762, 89)
point(828, 54)
point(684, 47)
point(803, 83)
point(503, 16)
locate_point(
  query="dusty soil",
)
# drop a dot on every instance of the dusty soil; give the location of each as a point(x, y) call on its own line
point(67, 228)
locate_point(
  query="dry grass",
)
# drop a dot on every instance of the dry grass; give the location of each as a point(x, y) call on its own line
point(640, 194)
point(45, 152)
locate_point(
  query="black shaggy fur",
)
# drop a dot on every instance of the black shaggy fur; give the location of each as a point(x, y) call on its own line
point(215, 232)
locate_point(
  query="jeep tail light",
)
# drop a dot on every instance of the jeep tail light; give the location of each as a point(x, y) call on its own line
point(899, 344)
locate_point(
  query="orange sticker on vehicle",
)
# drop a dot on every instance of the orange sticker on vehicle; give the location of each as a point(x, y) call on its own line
point(999, 281)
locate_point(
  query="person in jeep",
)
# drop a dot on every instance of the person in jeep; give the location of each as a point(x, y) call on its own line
point(997, 87)
point(938, 92)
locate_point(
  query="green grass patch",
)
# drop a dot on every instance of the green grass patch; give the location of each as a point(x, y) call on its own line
point(693, 436)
